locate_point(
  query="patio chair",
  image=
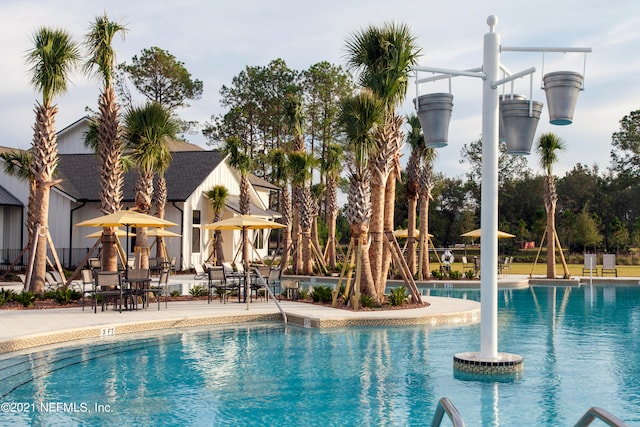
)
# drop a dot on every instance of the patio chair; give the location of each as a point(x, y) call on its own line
point(95, 264)
point(139, 286)
point(217, 282)
point(274, 281)
point(609, 264)
point(590, 264)
point(87, 281)
point(233, 279)
point(465, 263)
point(108, 287)
point(259, 281)
point(163, 288)
point(200, 273)
point(172, 266)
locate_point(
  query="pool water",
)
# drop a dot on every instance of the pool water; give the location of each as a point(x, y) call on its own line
point(580, 349)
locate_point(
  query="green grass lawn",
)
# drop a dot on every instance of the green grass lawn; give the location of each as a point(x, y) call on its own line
point(540, 269)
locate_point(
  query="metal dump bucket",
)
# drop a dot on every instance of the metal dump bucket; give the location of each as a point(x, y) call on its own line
point(434, 113)
point(519, 127)
point(501, 123)
point(562, 89)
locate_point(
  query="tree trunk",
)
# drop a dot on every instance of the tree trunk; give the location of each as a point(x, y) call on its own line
point(424, 236)
point(376, 246)
point(44, 161)
point(331, 239)
point(389, 210)
point(551, 243)
point(411, 235)
point(111, 174)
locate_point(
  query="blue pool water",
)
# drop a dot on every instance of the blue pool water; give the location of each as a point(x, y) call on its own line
point(581, 348)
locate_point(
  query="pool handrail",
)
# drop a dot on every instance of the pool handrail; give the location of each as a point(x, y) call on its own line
point(445, 406)
point(601, 414)
point(264, 283)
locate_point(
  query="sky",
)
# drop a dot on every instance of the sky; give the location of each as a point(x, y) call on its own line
point(217, 39)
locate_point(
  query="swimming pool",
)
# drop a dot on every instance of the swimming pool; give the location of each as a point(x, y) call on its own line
point(580, 347)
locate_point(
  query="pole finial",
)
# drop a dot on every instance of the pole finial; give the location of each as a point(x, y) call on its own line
point(492, 21)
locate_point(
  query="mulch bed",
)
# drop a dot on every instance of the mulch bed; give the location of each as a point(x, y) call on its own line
point(52, 304)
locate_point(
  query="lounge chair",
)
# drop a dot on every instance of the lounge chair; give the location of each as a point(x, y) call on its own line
point(466, 264)
point(200, 273)
point(590, 264)
point(609, 264)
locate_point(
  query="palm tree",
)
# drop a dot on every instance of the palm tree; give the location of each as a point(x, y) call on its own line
point(295, 117)
point(147, 131)
point(384, 57)
point(217, 197)
point(415, 140)
point(280, 174)
point(548, 147)
point(301, 164)
point(360, 117)
point(426, 187)
point(52, 59)
point(332, 167)
point(242, 163)
point(102, 58)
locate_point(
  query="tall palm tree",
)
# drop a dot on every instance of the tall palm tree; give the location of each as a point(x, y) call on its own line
point(301, 164)
point(332, 167)
point(280, 174)
point(360, 117)
point(384, 57)
point(241, 162)
point(416, 142)
point(426, 187)
point(548, 147)
point(295, 118)
point(147, 131)
point(217, 197)
point(52, 60)
point(102, 60)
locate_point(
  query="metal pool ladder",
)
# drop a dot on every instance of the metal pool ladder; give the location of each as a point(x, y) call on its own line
point(273, 297)
point(445, 406)
point(601, 414)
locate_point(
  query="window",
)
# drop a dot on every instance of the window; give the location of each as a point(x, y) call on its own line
point(258, 239)
point(196, 217)
point(195, 240)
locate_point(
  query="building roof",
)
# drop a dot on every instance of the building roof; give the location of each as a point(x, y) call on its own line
point(7, 199)
point(233, 203)
point(188, 169)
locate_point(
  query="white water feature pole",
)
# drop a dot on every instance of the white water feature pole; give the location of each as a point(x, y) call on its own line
point(488, 360)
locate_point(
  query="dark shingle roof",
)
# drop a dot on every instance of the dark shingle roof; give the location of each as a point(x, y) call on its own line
point(7, 199)
point(188, 169)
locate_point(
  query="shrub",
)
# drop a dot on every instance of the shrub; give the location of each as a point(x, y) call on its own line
point(303, 294)
point(398, 296)
point(6, 296)
point(366, 301)
point(198, 291)
point(321, 293)
point(25, 298)
point(175, 293)
point(455, 274)
point(437, 274)
point(62, 296)
point(469, 274)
